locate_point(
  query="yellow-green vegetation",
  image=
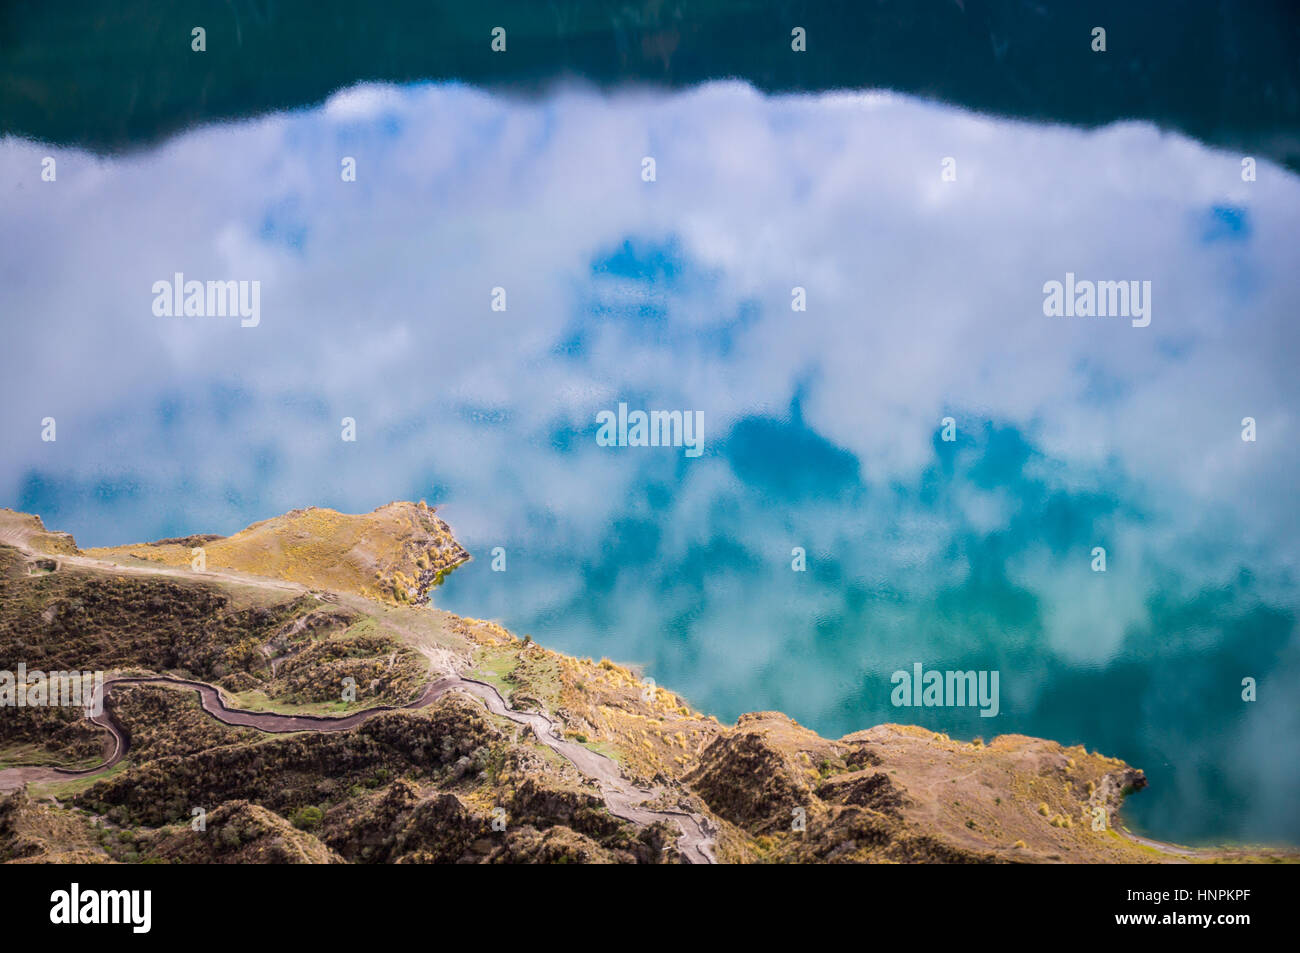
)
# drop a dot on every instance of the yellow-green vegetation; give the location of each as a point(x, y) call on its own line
point(495, 666)
point(394, 554)
point(28, 754)
point(67, 790)
point(524, 673)
point(606, 748)
point(257, 700)
point(647, 728)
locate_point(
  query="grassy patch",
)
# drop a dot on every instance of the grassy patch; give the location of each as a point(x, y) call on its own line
point(17, 755)
point(609, 750)
point(65, 790)
point(496, 666)
point(257, 700)
point(362, 627)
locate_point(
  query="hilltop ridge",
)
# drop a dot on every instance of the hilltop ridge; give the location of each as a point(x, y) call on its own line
point(393, 554)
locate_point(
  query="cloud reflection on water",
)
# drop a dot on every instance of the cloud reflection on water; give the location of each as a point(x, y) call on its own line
point(924, 299)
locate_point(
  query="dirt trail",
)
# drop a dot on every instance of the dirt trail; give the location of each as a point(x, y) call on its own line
point(624, 799)
point(20, 539)
point(211, 701)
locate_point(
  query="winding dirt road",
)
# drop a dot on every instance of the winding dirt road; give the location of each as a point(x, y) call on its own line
point(623, 799)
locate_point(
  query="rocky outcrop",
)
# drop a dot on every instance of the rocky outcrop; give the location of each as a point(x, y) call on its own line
point(751, 775)
point(239, 833)
point(873, 790)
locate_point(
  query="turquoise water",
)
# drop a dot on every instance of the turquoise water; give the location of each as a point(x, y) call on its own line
point(823, 428)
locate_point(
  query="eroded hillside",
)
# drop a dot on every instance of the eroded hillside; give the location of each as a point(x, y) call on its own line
point(505, 752)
